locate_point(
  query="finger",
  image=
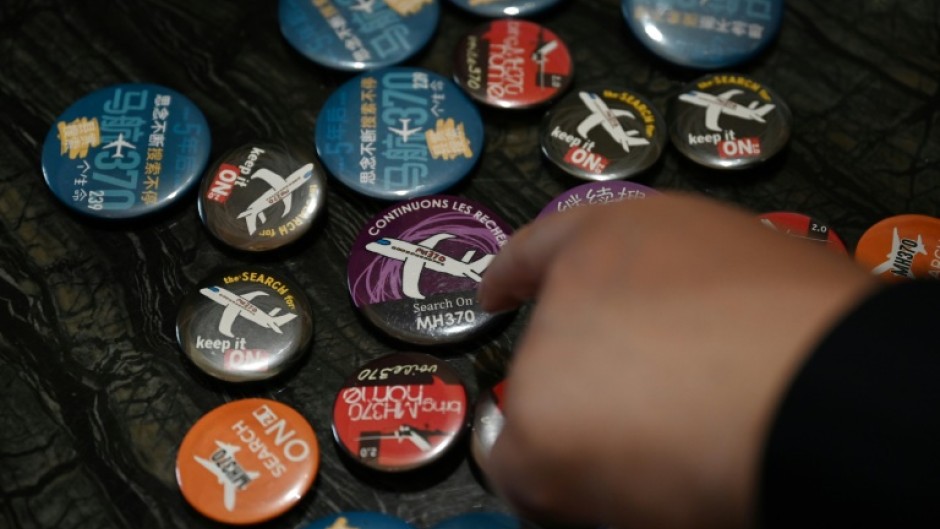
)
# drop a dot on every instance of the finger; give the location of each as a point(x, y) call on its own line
point(516, 273)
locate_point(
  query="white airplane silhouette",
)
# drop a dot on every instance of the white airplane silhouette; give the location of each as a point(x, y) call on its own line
point(422, 255)
point(364, 6)
point(236, 305)
point(405, 433)
point(606, 117)
point(404, 131)
point(722, 104)
point(893, 255)
point(119, 144)
point(541, 55)
point(229, 486)
point(280, 192)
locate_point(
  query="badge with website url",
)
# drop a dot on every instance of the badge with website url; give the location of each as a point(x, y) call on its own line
point(125, 151)
point(399, 133)
point(243, 325)
point(603, 134)
point(357, 35)
point(729, 121)
point(261, 196)
point(414, 269)
point(510, 63)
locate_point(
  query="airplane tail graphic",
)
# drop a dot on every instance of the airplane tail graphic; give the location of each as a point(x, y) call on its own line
point(761, 111)
point(278, 321)
point(477, 267)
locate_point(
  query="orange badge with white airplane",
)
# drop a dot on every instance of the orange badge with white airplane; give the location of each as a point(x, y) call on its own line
point(902, 247)
point(247, 461)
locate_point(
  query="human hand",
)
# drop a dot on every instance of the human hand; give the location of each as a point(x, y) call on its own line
point(664, 335)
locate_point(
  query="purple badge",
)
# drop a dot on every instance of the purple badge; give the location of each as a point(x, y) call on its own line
point(415, 267)
point(597, 193)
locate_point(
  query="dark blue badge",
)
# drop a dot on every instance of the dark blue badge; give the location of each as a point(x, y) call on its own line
point(480, 520)
point(356, 35)
point(504, 8)
point(126, 151)
point(399, 133)
point(706, 35)
point(359, 520)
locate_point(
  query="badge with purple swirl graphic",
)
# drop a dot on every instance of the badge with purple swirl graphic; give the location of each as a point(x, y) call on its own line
point(415, 268)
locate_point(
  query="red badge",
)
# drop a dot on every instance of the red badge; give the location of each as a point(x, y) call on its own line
point(247, 461)
point(513, 63)
point(400, 412)
point(804, 227)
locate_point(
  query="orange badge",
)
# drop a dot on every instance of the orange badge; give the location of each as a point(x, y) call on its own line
point(902, 247)
point(247, 461)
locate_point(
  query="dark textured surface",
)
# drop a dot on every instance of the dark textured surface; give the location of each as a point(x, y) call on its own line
point(95, 396)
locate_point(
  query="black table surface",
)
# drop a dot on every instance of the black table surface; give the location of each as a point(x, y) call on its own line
point(95, 395)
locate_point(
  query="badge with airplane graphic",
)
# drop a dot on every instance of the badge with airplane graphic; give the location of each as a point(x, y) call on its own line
point(511, 63)
point(399, 133)
point(400, 412)
point(729, 121)
point(262, 196)
point(901, 248)
point(414, 269)
point(603, 134)
point(247, 461)
point(244, 325)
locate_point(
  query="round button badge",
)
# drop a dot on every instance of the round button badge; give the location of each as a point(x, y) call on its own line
point(705, 35)
point(359, 520)
point(804, 227)
point(358, 35)
point(125, 151)
point(511, 63)
point(261, 196)
point(247, 461)
point(488, 420)
point(415, 267)
point(399, 133)
point(245, 324)
point(900, 248)
point(593, 193)
point(400, 412)
point(729, 121)
point(504, 8)
point(603, 134)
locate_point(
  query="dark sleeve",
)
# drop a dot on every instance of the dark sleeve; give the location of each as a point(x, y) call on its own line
point(856, 440)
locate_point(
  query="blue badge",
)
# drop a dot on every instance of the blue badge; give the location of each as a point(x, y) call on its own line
point(125, 151)
point(359, 520)
point(706, 35)
point(504, 8)
point(399, 133)
point(356, 35)
point(480, 520)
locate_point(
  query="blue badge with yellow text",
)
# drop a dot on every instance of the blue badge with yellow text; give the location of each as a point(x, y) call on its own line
point(399, 133)
point(356, 35)
point(125, 151)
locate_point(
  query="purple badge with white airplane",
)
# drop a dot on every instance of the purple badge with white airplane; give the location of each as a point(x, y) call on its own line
point(262, 196)
point(729, 121)
point(245, 324)
point(415, 268)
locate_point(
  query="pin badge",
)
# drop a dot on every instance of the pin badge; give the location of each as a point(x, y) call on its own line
point(729, 121)
point(261, 196)
point(399, 133)
point(357, 35)
point(247, 461)
point(245, 324)
point(510, 63)
point(400, 412)
point(595, 193)
point(603, 134)
point(415, 267)
point(125, 151)
point(804, 227)
point(900, 248)
point(705, 35)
